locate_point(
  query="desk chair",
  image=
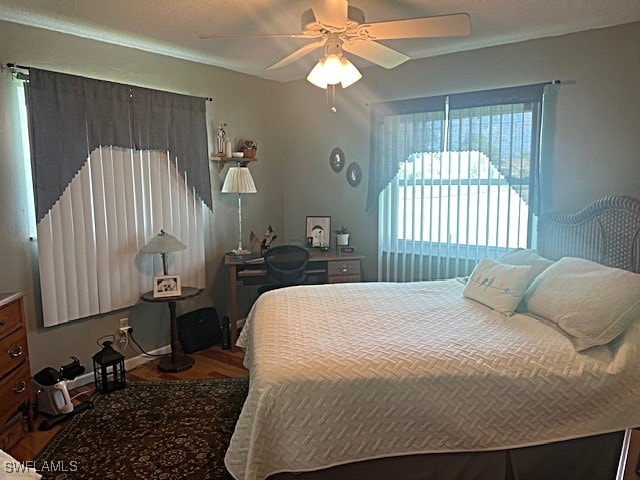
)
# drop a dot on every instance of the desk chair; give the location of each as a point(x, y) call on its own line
point(286, 266)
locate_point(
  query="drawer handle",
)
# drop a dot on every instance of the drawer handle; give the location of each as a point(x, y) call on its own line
point(15, 351)
point(1, 323)
point(20, 387)
point(344, 268)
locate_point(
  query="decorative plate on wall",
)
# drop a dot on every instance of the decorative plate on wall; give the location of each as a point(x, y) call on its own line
point(354, 174)
point(337, 159)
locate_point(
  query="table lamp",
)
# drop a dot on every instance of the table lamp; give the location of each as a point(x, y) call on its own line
point(239, 180)
point(163, 243)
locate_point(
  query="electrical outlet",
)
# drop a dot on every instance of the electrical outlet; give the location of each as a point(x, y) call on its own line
point(123, 330)
point(123, 339)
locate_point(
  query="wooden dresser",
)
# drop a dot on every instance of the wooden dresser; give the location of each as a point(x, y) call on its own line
point(15, 375)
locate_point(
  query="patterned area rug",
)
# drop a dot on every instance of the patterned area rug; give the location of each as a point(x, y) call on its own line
point(177, 430)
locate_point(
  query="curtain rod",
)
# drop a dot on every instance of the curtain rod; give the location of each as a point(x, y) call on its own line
point(552, 82)
point(22, 67)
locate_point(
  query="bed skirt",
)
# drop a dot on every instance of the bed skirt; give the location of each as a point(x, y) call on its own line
point(589, 458)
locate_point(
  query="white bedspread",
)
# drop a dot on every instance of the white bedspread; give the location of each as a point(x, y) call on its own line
point(359, 371)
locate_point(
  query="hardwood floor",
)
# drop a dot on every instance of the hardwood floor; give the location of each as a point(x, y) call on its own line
point(633, 457)
point(213, 362)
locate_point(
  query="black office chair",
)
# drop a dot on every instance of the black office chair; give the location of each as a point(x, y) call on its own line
point(286, 266)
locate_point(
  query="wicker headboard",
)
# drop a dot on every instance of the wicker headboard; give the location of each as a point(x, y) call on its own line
point(607, 232)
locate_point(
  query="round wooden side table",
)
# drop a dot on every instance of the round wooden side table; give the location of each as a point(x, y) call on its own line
point(176, 361)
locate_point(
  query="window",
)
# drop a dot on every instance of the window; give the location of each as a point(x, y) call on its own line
point(455, 179)
point(113, 165)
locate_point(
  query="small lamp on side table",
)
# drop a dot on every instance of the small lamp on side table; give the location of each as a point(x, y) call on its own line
point(164, 244)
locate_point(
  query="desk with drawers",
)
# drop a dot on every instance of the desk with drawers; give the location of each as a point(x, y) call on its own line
point(323, 267)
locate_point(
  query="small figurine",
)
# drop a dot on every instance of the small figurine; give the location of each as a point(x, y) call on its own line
point(221, 139)
point(270, 236)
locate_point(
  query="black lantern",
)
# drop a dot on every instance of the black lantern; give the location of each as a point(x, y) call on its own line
point(108, 369)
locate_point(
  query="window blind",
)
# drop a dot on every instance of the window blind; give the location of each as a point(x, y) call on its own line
point(88, 243)
point(461, 180)
point(113, 165)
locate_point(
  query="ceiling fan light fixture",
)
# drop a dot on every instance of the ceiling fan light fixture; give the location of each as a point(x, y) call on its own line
point(334, 69)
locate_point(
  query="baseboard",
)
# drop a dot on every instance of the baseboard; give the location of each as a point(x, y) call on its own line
point(129, 363)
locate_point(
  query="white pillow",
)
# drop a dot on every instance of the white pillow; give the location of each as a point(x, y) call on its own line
point(529, 257)
point(521, 256)
point(592, 303)
point(497, 285)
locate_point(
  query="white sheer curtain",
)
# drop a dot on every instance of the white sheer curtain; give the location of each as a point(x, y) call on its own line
point(456, 179)
point(88, 242)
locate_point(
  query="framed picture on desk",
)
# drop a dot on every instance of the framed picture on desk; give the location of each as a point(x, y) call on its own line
point(167, 286)
point(318, 232)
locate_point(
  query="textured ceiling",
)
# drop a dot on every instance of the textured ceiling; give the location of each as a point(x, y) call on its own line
point(171, 27)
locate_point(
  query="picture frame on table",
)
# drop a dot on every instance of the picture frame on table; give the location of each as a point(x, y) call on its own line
point(318, 232)
point(167, 286)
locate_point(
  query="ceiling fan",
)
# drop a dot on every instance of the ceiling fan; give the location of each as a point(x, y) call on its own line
point(337, 26)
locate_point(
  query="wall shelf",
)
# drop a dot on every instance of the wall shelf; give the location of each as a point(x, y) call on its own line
point(221, 161)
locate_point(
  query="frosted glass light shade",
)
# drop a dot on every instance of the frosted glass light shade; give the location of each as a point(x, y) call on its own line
point(350, 73)
point(316, 75)
point(163, 243)
point(334, 69)
point(239, 180)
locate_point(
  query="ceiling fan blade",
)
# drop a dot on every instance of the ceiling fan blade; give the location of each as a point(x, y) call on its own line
point(375, 52)
point(257, 35)
point(301, 52)
point(331, 13)
point(455, 25)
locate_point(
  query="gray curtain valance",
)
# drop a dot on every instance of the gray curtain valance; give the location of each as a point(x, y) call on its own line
point(70, 116)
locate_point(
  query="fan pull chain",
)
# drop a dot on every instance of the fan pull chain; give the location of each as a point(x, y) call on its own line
point(332, 108)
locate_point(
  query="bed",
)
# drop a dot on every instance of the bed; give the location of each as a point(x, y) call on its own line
point(424, 380)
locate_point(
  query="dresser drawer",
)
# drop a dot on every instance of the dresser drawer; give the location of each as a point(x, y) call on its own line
point(15, 390)
point(11, 433)
point(343, 267)
point(13, 350)
point(10, 317)
point(344, 279)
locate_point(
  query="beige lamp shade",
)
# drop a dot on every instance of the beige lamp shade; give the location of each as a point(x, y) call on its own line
point(239, 180)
